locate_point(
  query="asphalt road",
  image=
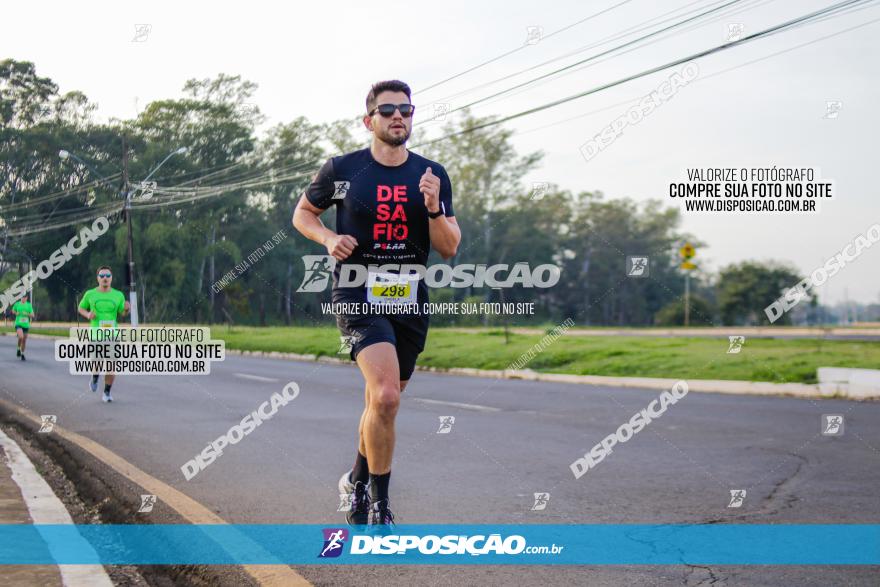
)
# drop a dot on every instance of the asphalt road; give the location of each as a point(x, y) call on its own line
point(850, 334)
point(509, 440)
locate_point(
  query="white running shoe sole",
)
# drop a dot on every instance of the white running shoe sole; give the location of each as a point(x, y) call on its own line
point(345, 485)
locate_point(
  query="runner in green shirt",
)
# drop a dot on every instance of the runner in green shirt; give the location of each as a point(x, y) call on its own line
point(102, 307)
point(24, 312)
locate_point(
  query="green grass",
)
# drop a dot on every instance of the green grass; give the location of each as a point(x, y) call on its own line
point(775, 360)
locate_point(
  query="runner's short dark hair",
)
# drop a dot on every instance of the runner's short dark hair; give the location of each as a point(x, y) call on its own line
point(107, 267)
point(393, 85)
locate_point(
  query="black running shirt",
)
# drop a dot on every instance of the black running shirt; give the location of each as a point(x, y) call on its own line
point(380, 206)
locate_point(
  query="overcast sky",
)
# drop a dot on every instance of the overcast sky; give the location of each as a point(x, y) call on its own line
point(318, 60)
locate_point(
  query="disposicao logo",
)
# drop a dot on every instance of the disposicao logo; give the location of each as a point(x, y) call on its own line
point(334, 540)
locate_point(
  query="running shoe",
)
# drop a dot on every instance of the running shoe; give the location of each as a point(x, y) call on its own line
point(17, 351)
point(346, 487)
point(107, 397)
point(380, 514)
point(358, 496)
point(93, 384)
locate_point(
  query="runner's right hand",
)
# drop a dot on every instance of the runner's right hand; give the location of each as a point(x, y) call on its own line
point(91, 315)
point(341, 246)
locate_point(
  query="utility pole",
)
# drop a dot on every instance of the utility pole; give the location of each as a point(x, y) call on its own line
point(126, 195)
point(687, 253)
point(687, 299)
point(126, 189)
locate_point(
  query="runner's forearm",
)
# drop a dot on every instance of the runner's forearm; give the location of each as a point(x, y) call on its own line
point(445, 236)
point(310, 226)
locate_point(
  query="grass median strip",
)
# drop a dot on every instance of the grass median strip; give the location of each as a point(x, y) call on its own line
point(773, 360)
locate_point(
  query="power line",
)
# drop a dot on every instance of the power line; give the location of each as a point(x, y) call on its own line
point(43, 227)
point(173, 197)
point(177, 194)
point(521, 47)
point(711, 75)
point(56, 195)
point(724, 13)
point(613, 37)
point(845, 10)
point(316, 163)
point(601, 54)
point(766, 32)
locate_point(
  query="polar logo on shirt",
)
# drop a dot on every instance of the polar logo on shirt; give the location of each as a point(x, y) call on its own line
point(341, 190)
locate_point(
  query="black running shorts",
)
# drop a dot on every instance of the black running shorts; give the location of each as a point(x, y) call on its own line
point(407, 332)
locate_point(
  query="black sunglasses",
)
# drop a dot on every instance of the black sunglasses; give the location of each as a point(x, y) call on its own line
point(104, 275)
point(387, 110)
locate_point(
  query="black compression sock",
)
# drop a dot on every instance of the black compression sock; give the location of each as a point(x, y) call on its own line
point(360, 471)
point(379, 486)
point(107, 387)
point(94, 378)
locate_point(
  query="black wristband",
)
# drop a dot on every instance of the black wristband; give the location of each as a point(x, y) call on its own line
point(438, 213)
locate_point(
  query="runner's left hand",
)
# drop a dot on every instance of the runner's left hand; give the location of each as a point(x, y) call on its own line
point(429, 185)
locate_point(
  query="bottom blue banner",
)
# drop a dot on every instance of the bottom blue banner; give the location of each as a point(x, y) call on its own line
point(601, 544)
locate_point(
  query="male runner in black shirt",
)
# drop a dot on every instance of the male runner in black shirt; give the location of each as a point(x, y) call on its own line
point(392, 206)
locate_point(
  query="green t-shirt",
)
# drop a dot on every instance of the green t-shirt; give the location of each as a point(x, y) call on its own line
point(22, 318)
point(107, 306)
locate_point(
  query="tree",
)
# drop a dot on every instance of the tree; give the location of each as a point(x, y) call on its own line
point(294, 152)
point(745, 289)
point(216, 123)
point(672, 314)
point(600, 235)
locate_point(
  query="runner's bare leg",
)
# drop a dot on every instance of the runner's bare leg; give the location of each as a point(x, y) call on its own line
point(362, 448)
point(378, 363)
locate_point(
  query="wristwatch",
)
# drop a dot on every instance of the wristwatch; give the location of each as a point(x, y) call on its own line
point(438, 213)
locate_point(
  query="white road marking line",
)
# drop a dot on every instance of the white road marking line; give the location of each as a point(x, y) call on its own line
point(266, 575)
point(438, 402)
point(256, 377)
point(45, 508)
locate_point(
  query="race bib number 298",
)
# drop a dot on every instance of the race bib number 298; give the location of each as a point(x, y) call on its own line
point(391, 288)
